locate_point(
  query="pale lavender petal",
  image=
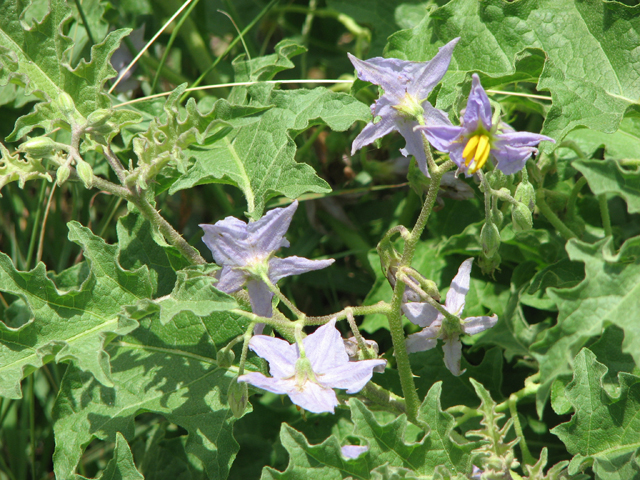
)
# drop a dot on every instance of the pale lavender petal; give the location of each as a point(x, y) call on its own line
point(512, 159)
point(426, 339)
point(453, 354)
point(391, 74)
point(227, 241)
point(353, 451)
point(422, 314)
point(260, 297)
point(432, 71)
point(478, 107)
point(522, 139)
point(352, 376)
point(285, 267)
point(273, 385)
point(459, 288)
point(443, 136)
point(281, 355)
point(473, 325)
point(314, 398)
point(230, 280)
point(325, 348)
point(415, 143)
point(267, 234)
point(386, 124)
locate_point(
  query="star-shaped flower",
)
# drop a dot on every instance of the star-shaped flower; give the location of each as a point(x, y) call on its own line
point(406, 87)
point(309, 378)
point(478, 138)
point(246, 254)
point(425, 315)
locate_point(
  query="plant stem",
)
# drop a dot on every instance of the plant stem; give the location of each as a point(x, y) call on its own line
point(526, 454)
point(36, 223)
point(380, 307)
point(115, 164)
point(382, 397)
point(544, 208)
point(604, 212)
point(356, 333)
point(573, 197)
point(44, 224)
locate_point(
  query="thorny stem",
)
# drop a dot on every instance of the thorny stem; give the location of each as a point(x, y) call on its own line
point(117, 167)
point(378, 395)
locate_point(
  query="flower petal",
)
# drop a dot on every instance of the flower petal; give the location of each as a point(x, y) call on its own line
point(230, 280)
point(386, 124)
point(511, 159)
point(452, 348)
point(227, 241)
point(280, 354)
point(442, 136)
point(352, 376)
point(325, 348)
point(459, 288)
point(421, 313)
point(285, 267)
point(478, 107)
point(353, 451)
point(425, 339)
point(273, 385)
point(314, 398)
point(432, 71)
point(473, 325)
point(267, 234)
point(391, 74)
point(260, 297)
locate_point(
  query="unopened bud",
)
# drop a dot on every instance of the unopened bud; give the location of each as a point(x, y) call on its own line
point(521, 218)
point(85, 172)
point(526, 194)
point(497, 217)
point(490, 239)
point(225, 358)
point(237, 397)
point(489, 265)
point(496, 179)
point(99, 117)
point(67, 105)
point(38, 147)
point(62, 174)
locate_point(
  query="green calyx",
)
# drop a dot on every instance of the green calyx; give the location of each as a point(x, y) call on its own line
point(411, 108)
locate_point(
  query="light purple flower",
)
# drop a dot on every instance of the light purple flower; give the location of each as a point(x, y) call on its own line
point(426, 316)
point(353, 451)
point(478, 138)
point(246, 254)
point(309, 379)
point(406, 87)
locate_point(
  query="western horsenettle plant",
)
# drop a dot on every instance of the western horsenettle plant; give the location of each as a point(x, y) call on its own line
point(124, 354)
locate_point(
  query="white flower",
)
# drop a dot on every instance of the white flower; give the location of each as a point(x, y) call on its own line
point(425, 315)
point(309, 380)
point(353, 451)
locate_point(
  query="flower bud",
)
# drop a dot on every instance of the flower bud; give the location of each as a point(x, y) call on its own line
point(526, 194)
point(489, 264)
point(38, 147)
point(490, 239)
point(85, 172)
point(496, 179)
point(497, 217)
point(67, 105)
point(237, 397)
point(225, 358)
point(521, 217)
point(99, 117)
point(62, 174)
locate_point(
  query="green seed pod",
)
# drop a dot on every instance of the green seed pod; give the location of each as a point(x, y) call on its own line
point(490, 239)
point(238, 396)
point(62, 174)
point(99, 117)
point(526, 194)
point(38, 147)
point(85, 172)
point(225, 358)
point(67, 105)
point(497, 217)
point(521, 218)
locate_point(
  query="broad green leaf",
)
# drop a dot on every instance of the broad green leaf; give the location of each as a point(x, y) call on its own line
point(121, 466)
point(71, 324)
point(609, 294)
point(624, 144)
point(36, 55)
point(604, 431)
point(607, 176)
point(14, 169)
point(169, 370)
point(591, 70)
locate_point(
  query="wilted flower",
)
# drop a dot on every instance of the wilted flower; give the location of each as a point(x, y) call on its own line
point(478, 138)
point(406, 87)
point(353, 451)
point(246, 254)
point(310, 377)
point(425, 315)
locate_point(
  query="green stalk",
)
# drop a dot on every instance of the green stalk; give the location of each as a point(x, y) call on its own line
point(36, 224)
point(559, 225)
point(85, 22)
point(32, 425)
point(604, 212)
point(526, 454)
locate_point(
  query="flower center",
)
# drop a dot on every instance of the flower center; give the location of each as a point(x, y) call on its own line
point(410, 107)
point(304, 373)
point(477, 150)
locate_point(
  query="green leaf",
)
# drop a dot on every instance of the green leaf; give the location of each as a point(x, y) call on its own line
point(609, 292)
point(592, 83)
point(13, 169)
point(70, 324)
point(121, 466)
point(169, 370)
point(36, 55)
point(604, 431)
point(607, 176)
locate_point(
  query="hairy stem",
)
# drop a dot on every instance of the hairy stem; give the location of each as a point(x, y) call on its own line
point(380, 307)
point(384, 398)
point(604, 213)
point(544, 208)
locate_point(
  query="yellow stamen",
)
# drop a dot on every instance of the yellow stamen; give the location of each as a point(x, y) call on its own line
point(477, 151)
point(470, 150)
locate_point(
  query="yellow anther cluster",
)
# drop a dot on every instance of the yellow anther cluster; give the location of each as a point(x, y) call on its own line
point(477, 150)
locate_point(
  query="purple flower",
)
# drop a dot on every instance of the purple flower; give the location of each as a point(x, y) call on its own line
point(425, 315)
point(353, 451)
point(246, 254)
point(478, 138)
point(309, 377)
point(406, 87)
